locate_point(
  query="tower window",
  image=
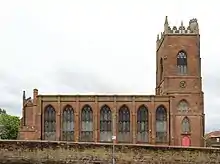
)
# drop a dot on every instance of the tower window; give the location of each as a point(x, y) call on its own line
point(186, 125)
point(161, 69)
point(182, 63)
point(183, 106)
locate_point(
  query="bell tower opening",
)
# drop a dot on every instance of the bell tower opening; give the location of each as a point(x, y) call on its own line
point(181, 63)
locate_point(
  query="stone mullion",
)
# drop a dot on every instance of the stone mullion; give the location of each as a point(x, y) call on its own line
point(58, 119)
point(96, 109)
point(153, 121)
point(134, 134)
point(77, 121)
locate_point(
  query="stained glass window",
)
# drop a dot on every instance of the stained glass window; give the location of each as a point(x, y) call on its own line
point(161, 124)
point(142, 124)
point(105, 124)
point(124, 124)
point(185, 125)
point(49, 123)
point(68, 124)
point(86, 124)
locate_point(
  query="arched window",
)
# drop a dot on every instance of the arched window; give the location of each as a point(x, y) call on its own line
point(183, 106)
point(49, 123)
point(161, 125)
point(68, 124)
point(185, 125)
point(124, 124)
point(182, 63)
point(142, 124)
point(86, 124)
point(161, 68)
point(105, 124)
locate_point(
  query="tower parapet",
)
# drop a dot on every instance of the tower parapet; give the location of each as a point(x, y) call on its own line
point(191, 29)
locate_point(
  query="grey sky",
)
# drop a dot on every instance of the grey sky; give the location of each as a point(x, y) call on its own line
point(97, 46)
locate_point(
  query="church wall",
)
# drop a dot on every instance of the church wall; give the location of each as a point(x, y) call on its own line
point(96, 102)
point(55, 152)
point(195, 115)
point(28, 116)
point(194, 135)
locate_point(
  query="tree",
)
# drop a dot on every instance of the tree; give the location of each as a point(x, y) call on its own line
point(9, 126)
point(2, 111)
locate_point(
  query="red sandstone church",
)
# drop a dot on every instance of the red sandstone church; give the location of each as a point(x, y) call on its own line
point(173, 116)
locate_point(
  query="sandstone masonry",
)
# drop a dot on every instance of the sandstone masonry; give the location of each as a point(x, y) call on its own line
point(34, 152)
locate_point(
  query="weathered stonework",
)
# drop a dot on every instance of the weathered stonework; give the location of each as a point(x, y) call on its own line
point(21, 152)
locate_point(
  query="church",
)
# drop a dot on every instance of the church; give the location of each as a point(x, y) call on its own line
point(173, 116)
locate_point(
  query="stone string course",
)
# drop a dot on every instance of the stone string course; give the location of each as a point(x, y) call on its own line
point(36, 152)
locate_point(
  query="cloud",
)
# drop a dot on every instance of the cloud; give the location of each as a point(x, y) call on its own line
point(212, 101)
point(85, 81)
point(211, 83)
point(10, 99)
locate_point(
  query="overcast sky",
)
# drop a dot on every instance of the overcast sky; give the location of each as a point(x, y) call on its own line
point(99, 46)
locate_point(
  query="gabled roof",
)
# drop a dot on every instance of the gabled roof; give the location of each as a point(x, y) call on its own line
point(213, 134)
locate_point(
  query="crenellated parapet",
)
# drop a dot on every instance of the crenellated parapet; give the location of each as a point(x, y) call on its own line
point(191, 29)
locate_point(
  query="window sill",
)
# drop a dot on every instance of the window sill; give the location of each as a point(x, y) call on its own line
point(186, 133)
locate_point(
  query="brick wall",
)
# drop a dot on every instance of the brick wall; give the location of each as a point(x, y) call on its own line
point(21, 152)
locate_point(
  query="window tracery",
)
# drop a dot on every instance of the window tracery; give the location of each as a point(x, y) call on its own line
point(105, 124)
point(68, 124)
point(182, 63)
point(49, 123)
point(124, 124)
point(142, 124)
point(161, 124)
point(186, 125)
point(183, 106)
point(86, 124)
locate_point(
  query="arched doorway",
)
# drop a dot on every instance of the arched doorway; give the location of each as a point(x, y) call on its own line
point(185, 141)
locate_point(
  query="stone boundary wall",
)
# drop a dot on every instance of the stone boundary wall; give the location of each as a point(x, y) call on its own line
point(33, 152)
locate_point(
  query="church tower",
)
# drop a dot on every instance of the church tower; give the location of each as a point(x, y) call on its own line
point(178, 74)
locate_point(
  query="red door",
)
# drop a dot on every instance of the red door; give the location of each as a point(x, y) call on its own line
point(185, 141)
